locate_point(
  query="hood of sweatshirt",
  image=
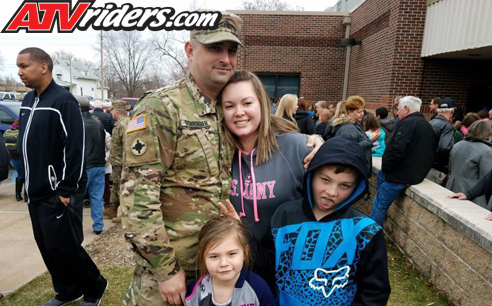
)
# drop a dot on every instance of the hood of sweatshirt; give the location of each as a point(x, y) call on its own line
point(300, 114)
point(387, 123)
point(343, 151)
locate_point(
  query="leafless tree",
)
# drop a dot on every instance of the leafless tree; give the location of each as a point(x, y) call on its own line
point(2, 60)
point(128, 57)
point(268, 5)
point(169, 47)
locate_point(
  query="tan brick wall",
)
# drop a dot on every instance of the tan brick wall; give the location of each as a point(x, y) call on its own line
point(441, 250)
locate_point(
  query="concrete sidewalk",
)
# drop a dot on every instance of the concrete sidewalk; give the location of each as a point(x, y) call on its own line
point(20, 260)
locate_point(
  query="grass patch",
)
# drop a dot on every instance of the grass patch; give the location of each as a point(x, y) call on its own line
point(409, 287)
point(40, 290)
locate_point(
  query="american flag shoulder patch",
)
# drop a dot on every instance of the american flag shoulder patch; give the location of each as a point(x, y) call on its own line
point(137, 123)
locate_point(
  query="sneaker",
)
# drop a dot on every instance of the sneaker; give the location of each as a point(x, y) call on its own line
point(97, 232)
point(56, 302)
point(88, 301)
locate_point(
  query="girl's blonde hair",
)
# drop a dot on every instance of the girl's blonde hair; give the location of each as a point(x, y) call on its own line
point(286, 106)
point(266, 142)
point(341, 110)
point(214, 232)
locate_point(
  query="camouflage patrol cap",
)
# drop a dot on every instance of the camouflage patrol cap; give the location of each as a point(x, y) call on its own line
point(118, 104)
point(229, 29)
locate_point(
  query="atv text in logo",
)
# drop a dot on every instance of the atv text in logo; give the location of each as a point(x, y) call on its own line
point(40, 17)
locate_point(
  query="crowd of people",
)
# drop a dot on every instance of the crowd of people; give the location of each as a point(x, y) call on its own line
point(224, 197)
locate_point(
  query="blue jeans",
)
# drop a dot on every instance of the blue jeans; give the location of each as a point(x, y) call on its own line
point(386, 194)
point(95, 186)
point(17, 164)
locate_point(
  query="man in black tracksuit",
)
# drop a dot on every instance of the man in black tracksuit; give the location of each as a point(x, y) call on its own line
point(52, 146)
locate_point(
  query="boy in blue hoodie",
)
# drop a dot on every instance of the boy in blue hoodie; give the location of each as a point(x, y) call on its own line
point(328, 253)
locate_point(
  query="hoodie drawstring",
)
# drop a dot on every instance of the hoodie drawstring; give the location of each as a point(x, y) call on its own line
point(255, 202)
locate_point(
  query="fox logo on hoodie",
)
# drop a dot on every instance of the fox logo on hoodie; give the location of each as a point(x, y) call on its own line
point(329, 281)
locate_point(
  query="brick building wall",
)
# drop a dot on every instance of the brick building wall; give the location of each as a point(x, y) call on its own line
point(297, 43)
point(388, 62)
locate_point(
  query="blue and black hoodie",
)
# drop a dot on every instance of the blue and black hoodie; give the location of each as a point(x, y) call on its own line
point(338, 260)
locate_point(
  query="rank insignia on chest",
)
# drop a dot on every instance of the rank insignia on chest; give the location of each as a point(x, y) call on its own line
point(137, 123)
point(139, 147)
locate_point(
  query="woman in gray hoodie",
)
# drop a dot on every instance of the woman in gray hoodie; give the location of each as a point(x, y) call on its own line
point(267, 169)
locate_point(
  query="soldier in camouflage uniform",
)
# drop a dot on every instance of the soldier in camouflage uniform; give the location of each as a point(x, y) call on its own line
point(118, 111)
point(177, 167)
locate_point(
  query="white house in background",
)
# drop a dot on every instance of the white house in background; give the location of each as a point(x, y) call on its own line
point(78, 78)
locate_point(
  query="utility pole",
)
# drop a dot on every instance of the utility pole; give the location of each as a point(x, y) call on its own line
point(102, 70)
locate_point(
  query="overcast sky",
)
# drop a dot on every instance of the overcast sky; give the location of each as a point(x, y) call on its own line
point(81, 44)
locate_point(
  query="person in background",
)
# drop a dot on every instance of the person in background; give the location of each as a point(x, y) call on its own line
point(95, 162)
point(467, 121)
point(482, 188)
point(105, 118)
point(287, 107)
point(332, 109)
point(407, 159)
point(310, 110)
point(304, 120)
point(324, 118)
point(387, 124)
point(483, 114)
point(471, 159)
point(11, 137)
point(320, 105)
point(433, 107)
point(371, 127)
point(348, 121)
point(53, 143)
point(444, 136)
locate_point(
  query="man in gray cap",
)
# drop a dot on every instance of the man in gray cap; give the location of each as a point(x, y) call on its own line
point(177, 167)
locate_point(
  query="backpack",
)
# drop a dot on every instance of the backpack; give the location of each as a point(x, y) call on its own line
point(11, 140)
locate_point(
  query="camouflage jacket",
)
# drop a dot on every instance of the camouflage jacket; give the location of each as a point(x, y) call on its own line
point(177, 166)
point(116, 149)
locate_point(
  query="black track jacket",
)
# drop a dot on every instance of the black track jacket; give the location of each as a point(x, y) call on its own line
point(52, 134)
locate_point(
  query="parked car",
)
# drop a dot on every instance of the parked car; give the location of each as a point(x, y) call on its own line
point(9, 111)
point(8, 96)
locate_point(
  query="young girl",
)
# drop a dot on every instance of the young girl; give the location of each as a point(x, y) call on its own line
point(371, 127)
point(222, 255)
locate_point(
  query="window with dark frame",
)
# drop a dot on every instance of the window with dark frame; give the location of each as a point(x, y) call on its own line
point(279, 84)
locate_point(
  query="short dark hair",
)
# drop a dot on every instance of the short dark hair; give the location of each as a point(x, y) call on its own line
point(395, 107)
point(469, 119)
point(382, 112)
point(40, 56)
point(482, 114)
point(340, 168)
point(436, 100)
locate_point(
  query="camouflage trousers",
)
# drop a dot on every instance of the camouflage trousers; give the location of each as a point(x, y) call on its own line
point(144, 289)
point(114, 199)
